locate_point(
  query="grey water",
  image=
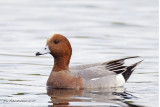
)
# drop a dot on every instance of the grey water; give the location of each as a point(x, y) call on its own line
point(99, 31)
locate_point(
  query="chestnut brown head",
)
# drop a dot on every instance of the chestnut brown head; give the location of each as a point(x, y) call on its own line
point(58, 46)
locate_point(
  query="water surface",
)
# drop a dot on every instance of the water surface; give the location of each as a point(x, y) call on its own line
point(99, 30)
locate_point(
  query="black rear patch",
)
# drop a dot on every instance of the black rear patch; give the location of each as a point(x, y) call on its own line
point(118, 67)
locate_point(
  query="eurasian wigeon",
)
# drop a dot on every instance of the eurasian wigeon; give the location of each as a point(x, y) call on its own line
point(100, 75)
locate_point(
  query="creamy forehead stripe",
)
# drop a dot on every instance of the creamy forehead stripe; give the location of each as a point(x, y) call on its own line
point(49, 38)
point(51, 35)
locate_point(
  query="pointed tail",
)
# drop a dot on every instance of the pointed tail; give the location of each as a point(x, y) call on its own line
point(129, 70)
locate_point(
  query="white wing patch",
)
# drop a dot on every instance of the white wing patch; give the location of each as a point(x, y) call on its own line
point(95, 79)
point(120, 80)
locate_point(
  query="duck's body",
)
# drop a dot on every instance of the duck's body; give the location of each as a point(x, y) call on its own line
point(101, 75)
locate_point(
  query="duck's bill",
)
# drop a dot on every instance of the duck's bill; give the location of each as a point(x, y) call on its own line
point(45, 50)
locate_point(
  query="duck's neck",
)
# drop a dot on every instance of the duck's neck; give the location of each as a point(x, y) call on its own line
point(61, 63)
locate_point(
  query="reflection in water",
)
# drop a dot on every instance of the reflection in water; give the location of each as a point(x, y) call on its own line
point(63, 97)
point(99, 30)
point(107, 97)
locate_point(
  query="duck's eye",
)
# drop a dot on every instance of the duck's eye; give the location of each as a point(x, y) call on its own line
point(56, 41)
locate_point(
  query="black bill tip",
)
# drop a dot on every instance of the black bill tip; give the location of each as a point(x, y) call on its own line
point(38, 53)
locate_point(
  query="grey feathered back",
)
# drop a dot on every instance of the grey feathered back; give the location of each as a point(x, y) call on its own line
point(112, 67)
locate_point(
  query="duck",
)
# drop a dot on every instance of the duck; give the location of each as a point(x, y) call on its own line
point(109, 74)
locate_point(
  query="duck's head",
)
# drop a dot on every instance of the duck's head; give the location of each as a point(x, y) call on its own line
point(59, 47)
